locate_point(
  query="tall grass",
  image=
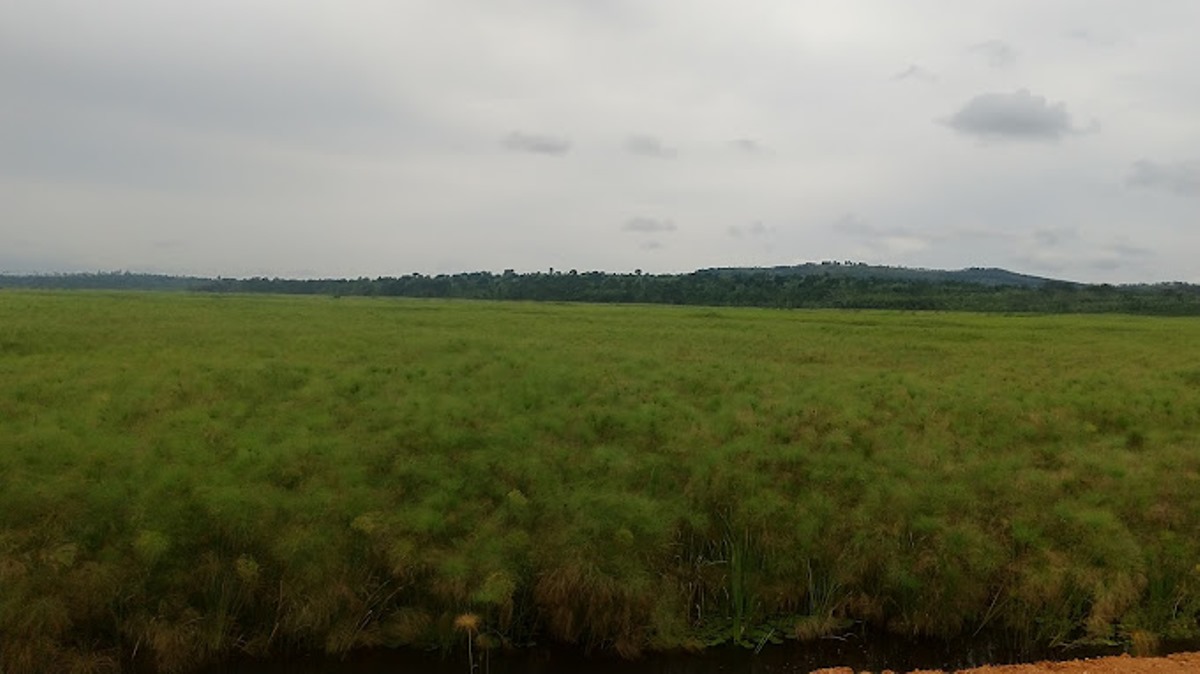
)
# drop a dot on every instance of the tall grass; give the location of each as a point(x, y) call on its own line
point(184, 477)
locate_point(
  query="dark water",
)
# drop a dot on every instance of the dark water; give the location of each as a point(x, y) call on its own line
point(875, 653)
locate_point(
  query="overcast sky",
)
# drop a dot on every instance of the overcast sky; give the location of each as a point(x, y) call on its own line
point(373, 137)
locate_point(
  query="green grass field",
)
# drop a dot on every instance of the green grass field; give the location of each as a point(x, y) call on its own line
point(186, 476)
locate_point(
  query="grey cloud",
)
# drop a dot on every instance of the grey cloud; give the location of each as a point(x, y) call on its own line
point(998, 53)
point(916, 73)
point(649, 146)
point(748, 145)
point(1118, 255)
point(1129, 250)
point(652, 245)
point(851, 223)
point(1041, 262)
point(1052, 236)
point(1180, 178)
point(536, 144)
point(643, 224)
point(754, 229)
point(884, 240)
point(1058, 249)
point(32, 264)
point(1019, 116)
point(960, 233)
point(1087, 36)
point(254, 97)
point(54, 146)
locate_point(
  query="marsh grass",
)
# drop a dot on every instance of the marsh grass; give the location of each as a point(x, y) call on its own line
point(184, 477)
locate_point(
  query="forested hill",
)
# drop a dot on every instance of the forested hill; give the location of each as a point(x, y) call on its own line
point(827, 285)
point(989, 276)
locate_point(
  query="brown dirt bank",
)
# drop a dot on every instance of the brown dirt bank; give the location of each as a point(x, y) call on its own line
point(1178, 663)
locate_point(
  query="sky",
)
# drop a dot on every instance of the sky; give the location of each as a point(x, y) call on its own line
point(381, 138)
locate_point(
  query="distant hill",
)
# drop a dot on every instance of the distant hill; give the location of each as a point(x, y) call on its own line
point(988, 276)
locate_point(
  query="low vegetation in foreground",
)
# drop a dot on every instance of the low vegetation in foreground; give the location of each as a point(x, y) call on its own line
point(183, 477)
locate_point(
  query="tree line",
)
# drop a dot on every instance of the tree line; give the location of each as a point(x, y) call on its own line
point(749, 289)
point(780, 288)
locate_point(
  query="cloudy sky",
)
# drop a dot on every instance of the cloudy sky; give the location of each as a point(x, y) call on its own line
point(373, 137)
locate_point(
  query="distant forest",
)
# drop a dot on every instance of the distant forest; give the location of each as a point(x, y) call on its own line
point(815, 285)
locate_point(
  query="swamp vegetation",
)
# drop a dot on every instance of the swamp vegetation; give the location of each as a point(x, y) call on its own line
point(187, 476)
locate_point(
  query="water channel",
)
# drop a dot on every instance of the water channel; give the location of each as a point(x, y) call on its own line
point(858, 651)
